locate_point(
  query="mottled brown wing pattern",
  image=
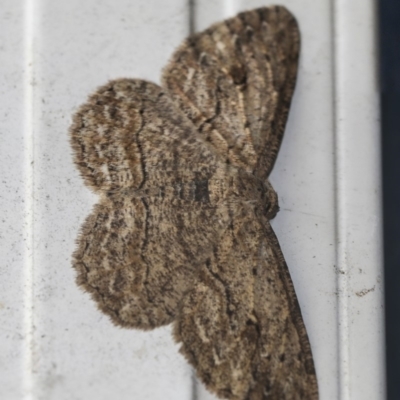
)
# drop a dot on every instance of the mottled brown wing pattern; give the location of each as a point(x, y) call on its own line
point(235, 82)
point(181, 232)
point(241, 326)
point(137, 252)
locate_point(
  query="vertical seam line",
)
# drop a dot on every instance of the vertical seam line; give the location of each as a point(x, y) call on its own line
point(340, 217)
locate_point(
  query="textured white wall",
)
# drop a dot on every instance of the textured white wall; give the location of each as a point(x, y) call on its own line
point(54, 344)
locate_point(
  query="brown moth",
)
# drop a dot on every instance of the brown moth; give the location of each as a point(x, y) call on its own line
point(181, 233)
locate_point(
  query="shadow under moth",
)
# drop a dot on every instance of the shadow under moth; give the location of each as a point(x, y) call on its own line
point(181, 233)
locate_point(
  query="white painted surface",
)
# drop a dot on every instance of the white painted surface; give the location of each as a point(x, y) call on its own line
point(357, 149)
point(54, 343)
point(13, 235)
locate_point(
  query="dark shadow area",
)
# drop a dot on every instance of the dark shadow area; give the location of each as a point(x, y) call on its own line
point(389, 30)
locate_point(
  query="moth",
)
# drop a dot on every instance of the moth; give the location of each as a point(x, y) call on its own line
point(181, 233)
